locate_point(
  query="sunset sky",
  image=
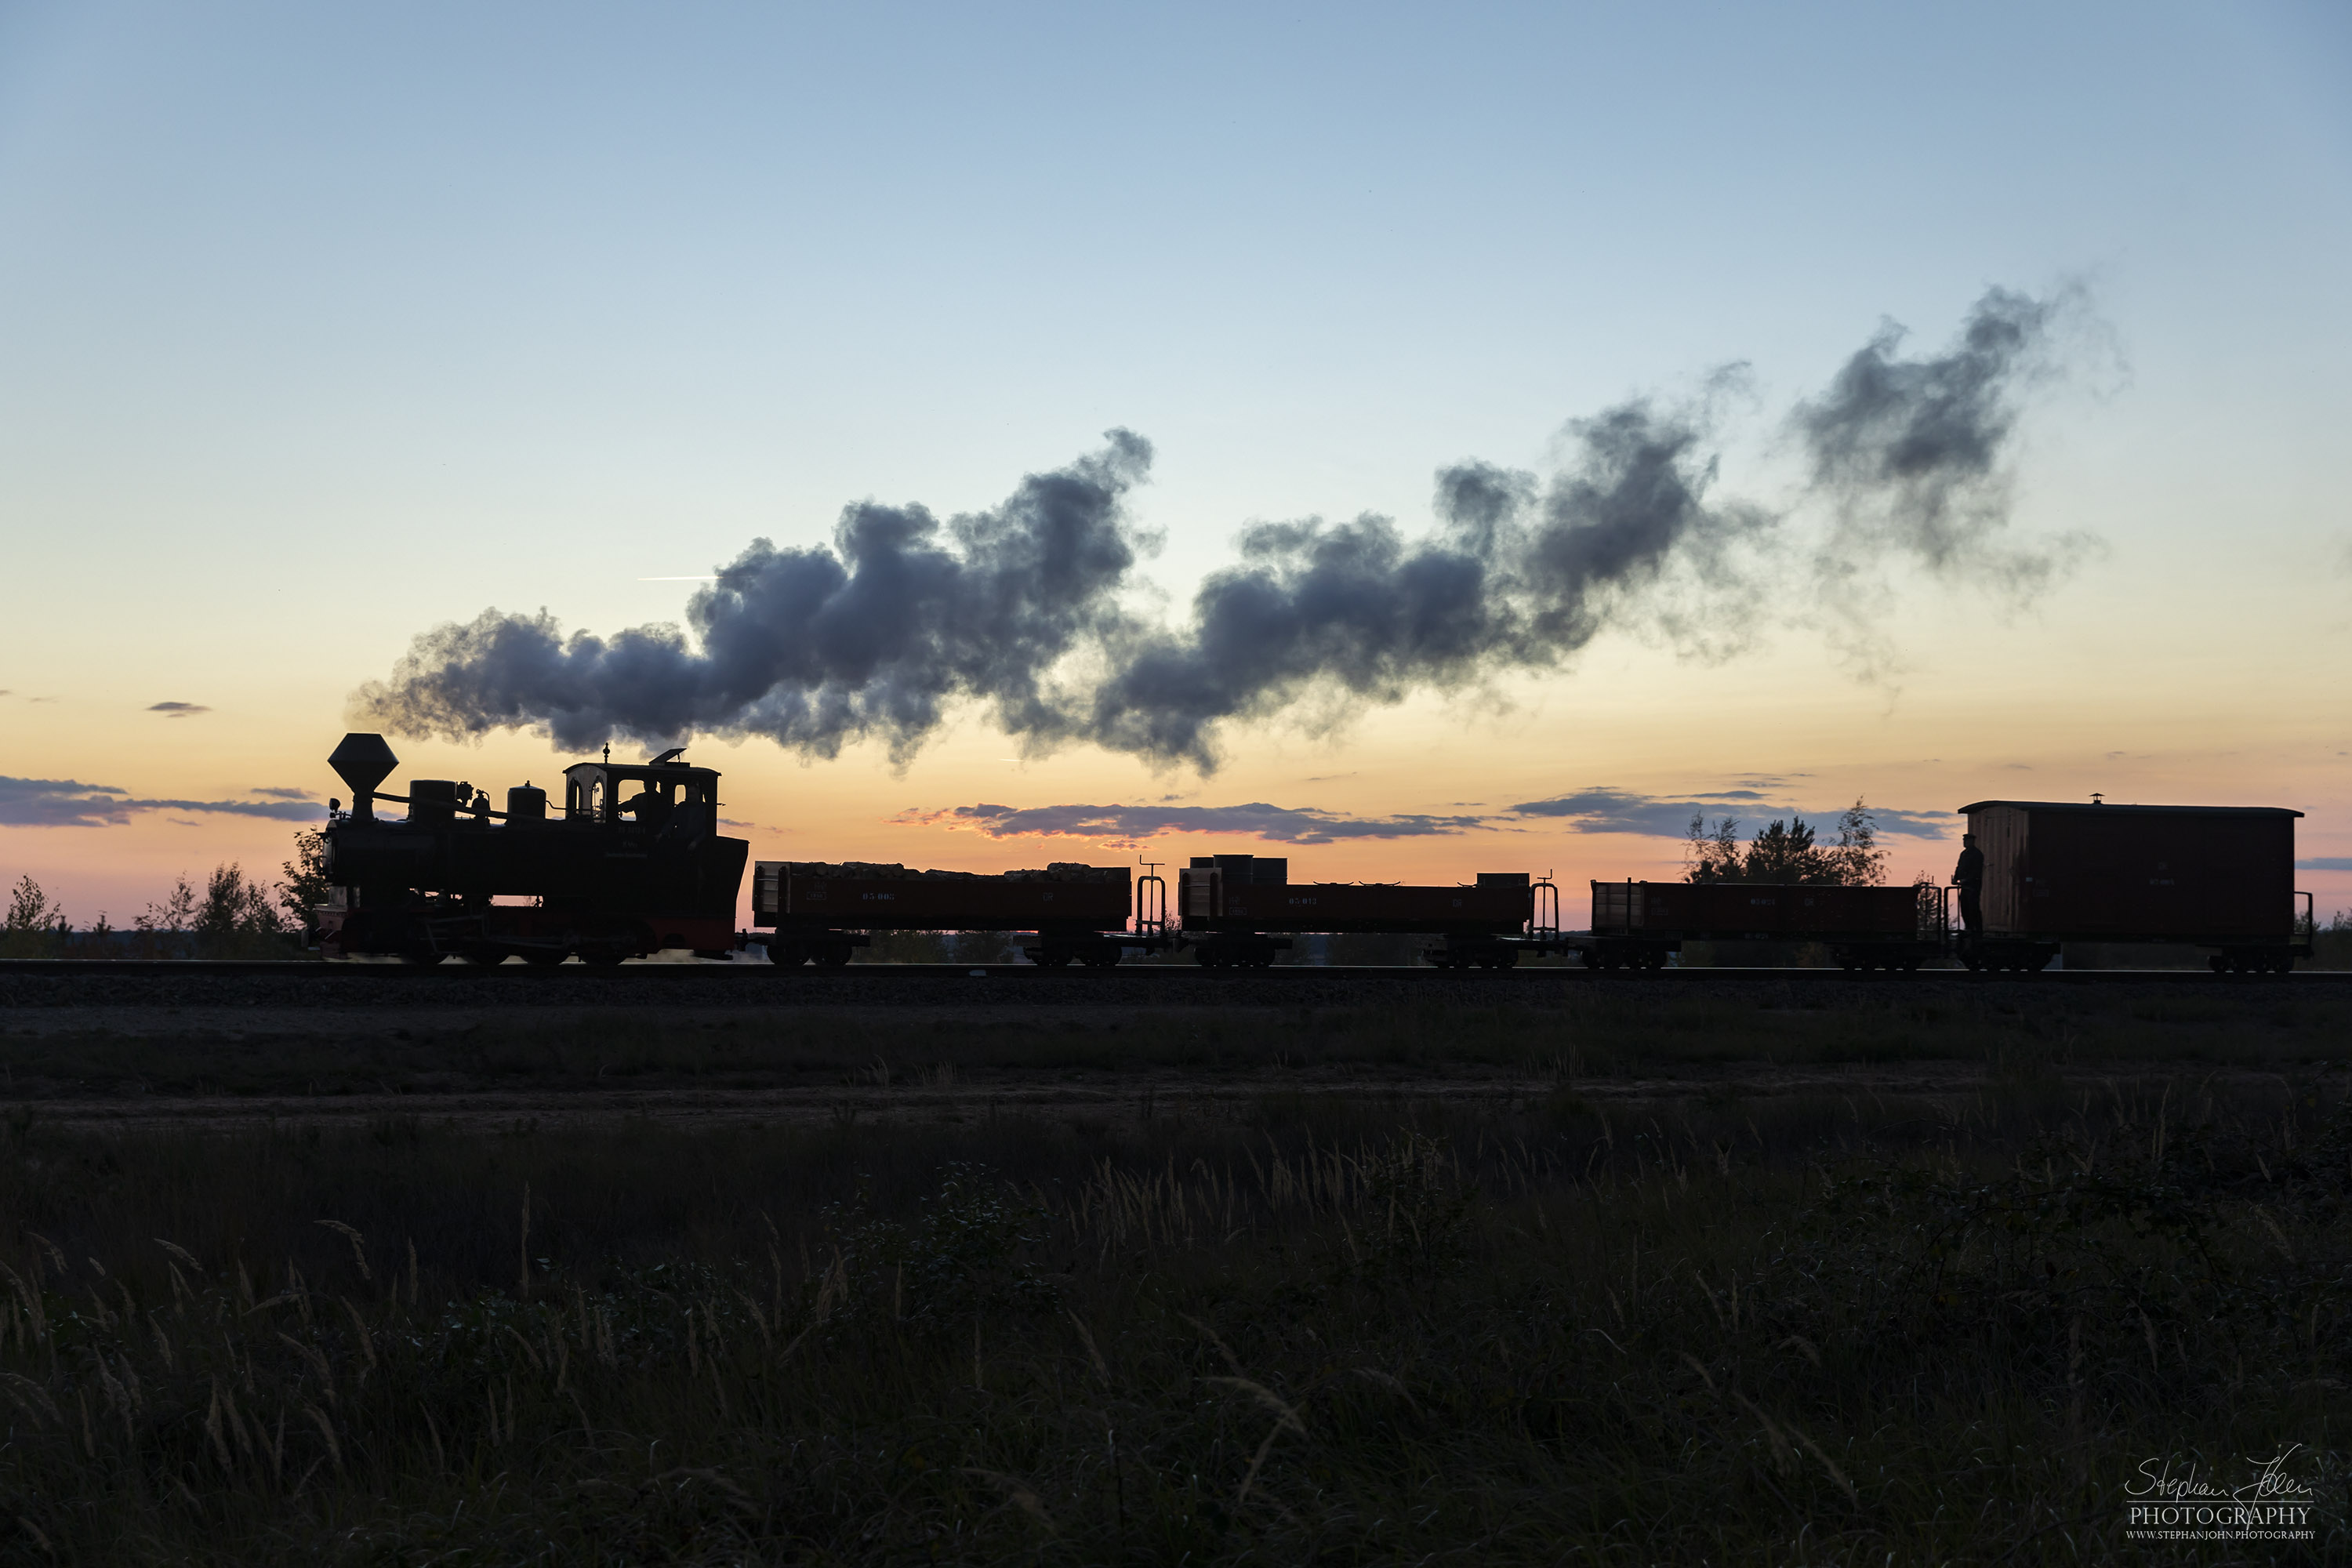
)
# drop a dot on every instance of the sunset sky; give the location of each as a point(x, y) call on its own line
point(322, 327)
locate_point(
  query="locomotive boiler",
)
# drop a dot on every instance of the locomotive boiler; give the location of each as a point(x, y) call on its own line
point(633, 863)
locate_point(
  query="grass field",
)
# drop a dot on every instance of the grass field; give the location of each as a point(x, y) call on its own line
point(1701, 1280)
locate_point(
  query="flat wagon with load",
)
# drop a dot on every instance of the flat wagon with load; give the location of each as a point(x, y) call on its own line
point(822, 910)
point(1636, 924)
point(1239, 911)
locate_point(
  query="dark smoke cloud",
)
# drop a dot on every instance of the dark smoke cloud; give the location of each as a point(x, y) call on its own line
point(1522, 574)
point(1020, 609)
point(816, 649)
point(1913, 456)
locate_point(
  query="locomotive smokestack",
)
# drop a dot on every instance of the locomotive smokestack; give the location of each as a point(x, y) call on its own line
point(363, 760)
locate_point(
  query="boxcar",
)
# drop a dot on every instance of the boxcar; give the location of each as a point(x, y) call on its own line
point(2204, 876)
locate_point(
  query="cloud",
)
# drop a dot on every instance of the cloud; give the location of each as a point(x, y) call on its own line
point(68, 803)
point(2326, 862)
point(177, 709)
point(279, 792)
point(1604, 810)
point(1024, 610)
point(1129, 825)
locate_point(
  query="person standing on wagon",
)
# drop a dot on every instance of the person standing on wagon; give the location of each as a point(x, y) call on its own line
point(1968, 876)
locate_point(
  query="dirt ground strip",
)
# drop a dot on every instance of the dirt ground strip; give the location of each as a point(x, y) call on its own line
point(395, 987)
point(912, 1092)
point(1184, 1097)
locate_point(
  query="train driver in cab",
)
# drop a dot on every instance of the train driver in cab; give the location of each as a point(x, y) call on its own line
point(651, 808)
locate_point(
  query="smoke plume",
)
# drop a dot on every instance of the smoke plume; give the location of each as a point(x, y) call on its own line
point(1522, 574)
point(816, 649)
point(1912, 458)
point(1022, 609)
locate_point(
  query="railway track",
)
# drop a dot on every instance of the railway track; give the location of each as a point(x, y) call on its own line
point(653, 976)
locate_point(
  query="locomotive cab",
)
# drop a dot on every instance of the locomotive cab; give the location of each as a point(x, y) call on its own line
point(658, 797)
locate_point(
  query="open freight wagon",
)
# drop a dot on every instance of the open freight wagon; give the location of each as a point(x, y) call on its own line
point(1241, 910)
point(2219, 876)
point(823, 911)
point(1636, 924)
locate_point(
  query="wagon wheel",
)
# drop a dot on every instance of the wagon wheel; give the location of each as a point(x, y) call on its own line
point(1103, 958)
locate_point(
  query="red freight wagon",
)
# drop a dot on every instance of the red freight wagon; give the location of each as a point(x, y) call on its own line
point(1636, 924)
point(2208, 875)
point(1228, 904)
point(822, 911)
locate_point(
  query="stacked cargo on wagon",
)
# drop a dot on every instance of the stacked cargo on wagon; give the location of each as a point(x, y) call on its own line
point(1636, 924)
point(822, 910)
point(2219, 877)
point(1239, 911)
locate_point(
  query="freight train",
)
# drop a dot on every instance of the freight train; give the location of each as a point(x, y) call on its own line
point(636, 863)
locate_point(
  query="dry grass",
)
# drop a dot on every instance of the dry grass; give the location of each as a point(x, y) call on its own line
point(1839, 1329)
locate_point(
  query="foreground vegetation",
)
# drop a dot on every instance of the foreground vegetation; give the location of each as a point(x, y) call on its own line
point(1836, 1330)
point(1724, 1038)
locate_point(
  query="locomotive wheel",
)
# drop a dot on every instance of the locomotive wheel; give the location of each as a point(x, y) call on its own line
point(603, 958)
point(484, 956)
point(423, 957)
point(545, 957)
point(1103, 958)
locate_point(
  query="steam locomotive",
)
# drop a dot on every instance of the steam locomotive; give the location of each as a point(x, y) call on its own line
point(636, 863)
